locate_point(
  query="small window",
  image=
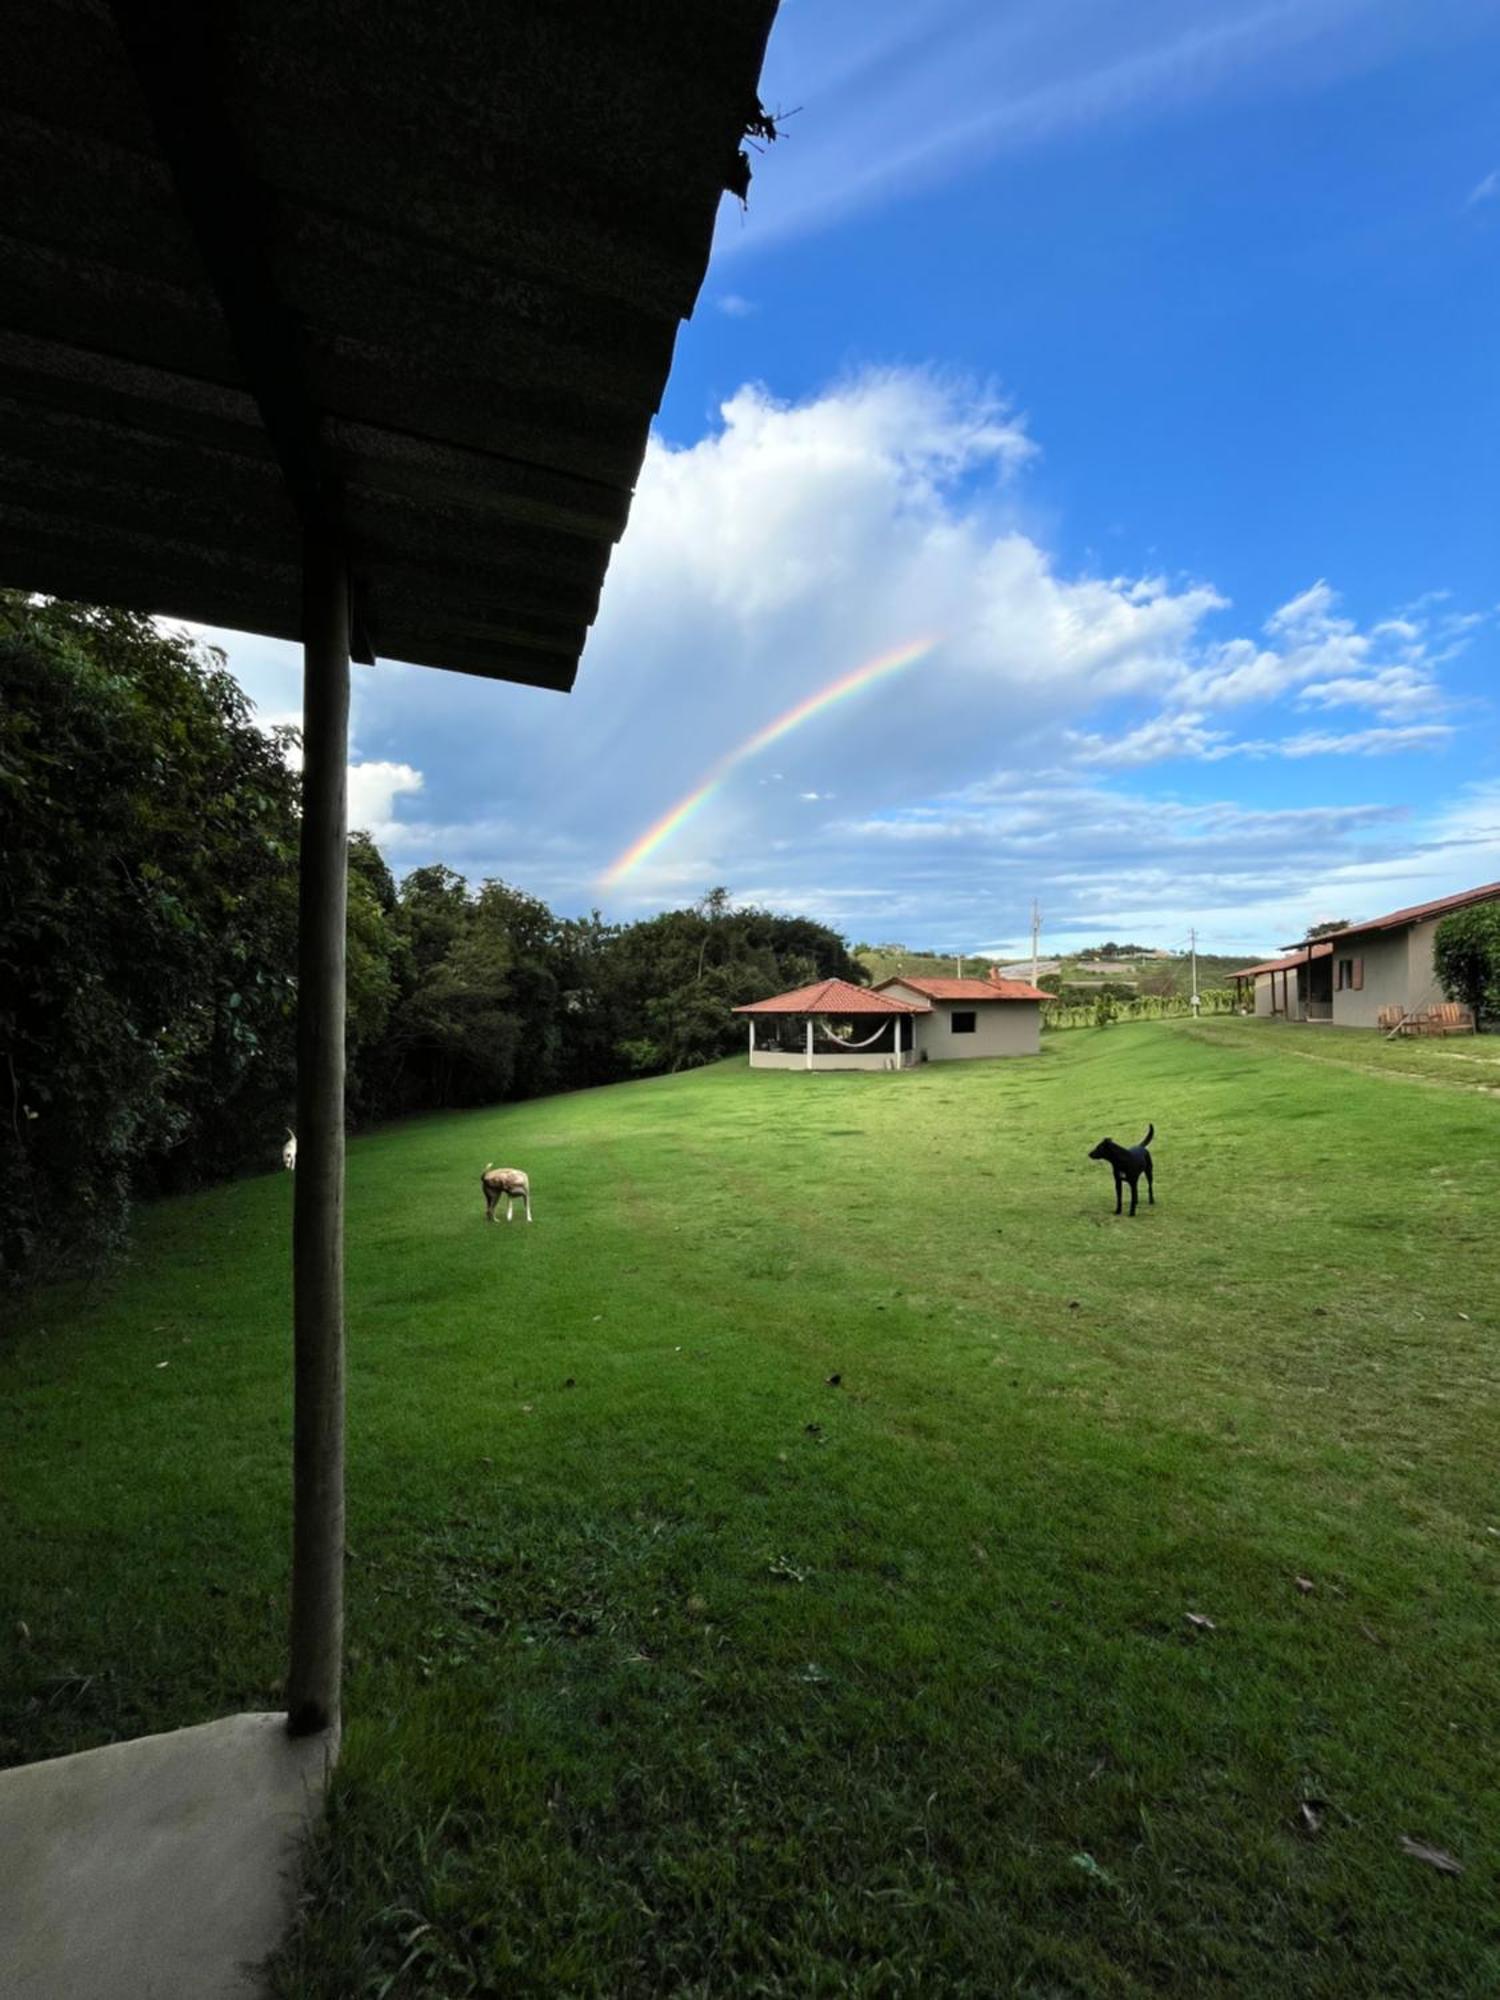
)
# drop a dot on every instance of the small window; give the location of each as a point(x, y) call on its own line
point(963, 1024)
point(1351, 975)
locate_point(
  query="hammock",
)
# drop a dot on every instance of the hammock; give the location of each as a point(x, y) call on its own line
point(839, 1042)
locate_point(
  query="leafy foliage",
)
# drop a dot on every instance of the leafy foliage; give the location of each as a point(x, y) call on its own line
point(148, 918)
point(1466, 958)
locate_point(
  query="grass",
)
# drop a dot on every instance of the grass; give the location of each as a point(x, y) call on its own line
point(676, 1668)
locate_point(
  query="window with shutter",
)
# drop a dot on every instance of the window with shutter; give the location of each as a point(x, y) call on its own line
point(1358, 968)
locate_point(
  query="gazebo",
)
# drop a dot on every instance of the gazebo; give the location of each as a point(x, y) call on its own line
point(341, 324)
point(833, 1025)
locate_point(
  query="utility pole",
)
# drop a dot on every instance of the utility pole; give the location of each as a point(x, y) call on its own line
point(958, 965)
point(1195, 1002)
point(1036, 931)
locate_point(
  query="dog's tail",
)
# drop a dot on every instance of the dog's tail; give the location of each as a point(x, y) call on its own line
point(1150, 1135)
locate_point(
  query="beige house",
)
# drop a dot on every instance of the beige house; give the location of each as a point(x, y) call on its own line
point(834, 1025)
point(1295, 988)
point(1372, 974)
point(972, 1017)
point(1386, 964)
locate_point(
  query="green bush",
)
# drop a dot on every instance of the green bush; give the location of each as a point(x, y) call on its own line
point(1466, 958)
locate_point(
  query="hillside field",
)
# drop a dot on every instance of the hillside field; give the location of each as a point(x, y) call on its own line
point(1150, 975)
point(770, 1573)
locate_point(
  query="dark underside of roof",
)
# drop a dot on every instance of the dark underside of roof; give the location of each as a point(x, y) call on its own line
point(407, 273)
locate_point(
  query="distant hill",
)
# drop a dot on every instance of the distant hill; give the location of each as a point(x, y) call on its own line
point(1141, 973)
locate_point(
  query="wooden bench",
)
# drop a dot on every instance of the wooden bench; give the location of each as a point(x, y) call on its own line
point(1448, 1017)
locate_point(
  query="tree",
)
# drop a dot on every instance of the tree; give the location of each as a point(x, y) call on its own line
point(1327, 929)
point(1466, 958)
point(378, 951)
point(148, 919)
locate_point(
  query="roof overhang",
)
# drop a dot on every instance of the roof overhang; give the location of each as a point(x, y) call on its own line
point(409, 278)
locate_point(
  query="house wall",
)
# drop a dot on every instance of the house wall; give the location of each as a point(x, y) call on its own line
point(785, 1059)
point(1387, 978)
point(1398, 973)
point(1001, 1027)
point(1425, 989)
point(1268, 996)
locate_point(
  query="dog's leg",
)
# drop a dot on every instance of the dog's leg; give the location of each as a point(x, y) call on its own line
point(1119, 1193)
point(1150, 1183)
point(528, 1204)
point(510, 1202)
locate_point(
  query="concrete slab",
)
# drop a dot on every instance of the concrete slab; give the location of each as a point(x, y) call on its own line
point(160, 1869)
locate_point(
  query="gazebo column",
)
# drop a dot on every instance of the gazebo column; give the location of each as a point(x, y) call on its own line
point(809, 1041)
point(317, 1632)
point(752, 1038)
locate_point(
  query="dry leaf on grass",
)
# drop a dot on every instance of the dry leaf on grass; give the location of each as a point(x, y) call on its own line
point(1304, 1584)
point(1310, 1815)
point(1197, 1618)
point(1435, 1857)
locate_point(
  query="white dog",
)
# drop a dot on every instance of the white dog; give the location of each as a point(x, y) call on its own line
point(289, 1151)
point(508, 1184)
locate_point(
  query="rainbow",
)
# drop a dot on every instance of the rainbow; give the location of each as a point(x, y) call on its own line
point(883, 665)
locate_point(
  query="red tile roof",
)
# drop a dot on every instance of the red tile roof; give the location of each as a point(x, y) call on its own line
point(1320, 950)
point(832, 996)
point(967, 989)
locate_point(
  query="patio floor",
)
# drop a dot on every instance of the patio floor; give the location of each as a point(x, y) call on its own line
point(159, 1869)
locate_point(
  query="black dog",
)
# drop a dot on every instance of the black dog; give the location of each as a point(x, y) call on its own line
point(1129, 1163)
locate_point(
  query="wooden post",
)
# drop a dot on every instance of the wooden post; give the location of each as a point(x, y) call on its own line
point(318, 1229)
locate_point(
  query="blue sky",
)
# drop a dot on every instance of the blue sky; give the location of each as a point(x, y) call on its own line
point(1145, 358)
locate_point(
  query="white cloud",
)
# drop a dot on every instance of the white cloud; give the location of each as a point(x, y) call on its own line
point(1486, 190)
point(1363, 742)
point(734, 306)
point(373, 791)
point(796, 541)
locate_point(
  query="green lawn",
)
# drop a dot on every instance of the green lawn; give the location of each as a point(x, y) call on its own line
point(678, 1669)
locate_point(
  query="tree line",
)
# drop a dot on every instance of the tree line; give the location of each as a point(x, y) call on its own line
point(148, 917)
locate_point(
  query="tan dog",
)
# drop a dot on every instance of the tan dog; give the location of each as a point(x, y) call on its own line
point(508, 1184)
point(289, 1151)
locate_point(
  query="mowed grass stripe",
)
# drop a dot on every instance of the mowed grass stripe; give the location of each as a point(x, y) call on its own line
point(701, 1675)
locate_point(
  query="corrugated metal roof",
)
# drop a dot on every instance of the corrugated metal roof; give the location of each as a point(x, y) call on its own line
point(832, 996)
point(434, 256)
point(1319, 950)
point(968, 989)
point(1417, 913)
